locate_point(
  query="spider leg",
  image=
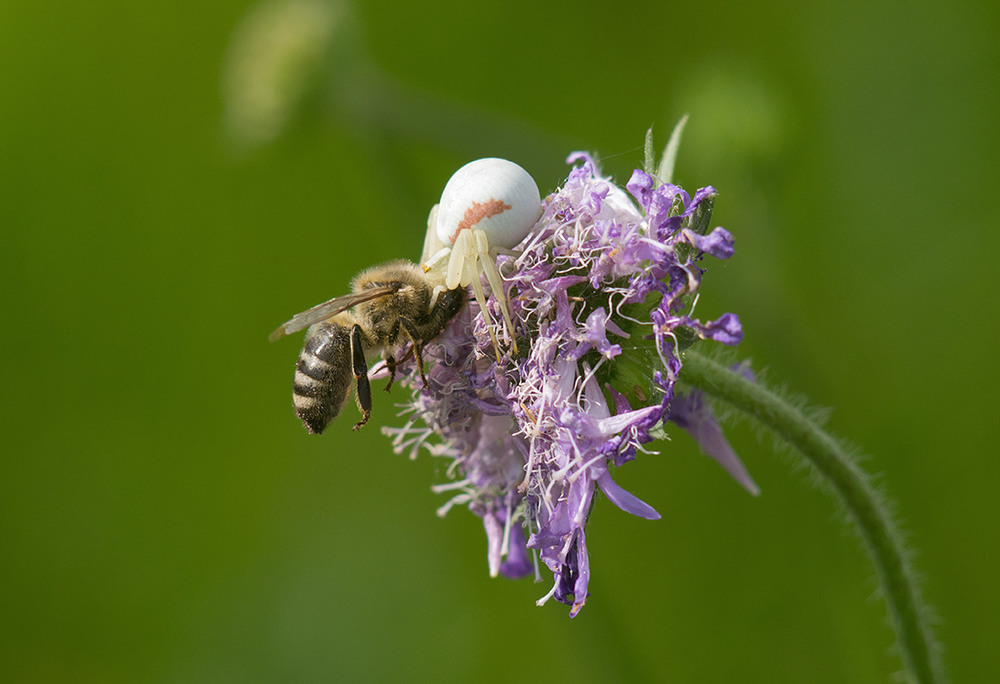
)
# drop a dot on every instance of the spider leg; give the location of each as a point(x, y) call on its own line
point(462, 270)
point(460, 253)
point(489, 266)
point(477, 290)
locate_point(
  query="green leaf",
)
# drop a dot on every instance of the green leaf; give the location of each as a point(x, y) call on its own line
point(647, 157)
point(665, 171)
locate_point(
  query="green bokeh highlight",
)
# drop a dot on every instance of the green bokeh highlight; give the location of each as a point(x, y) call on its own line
point(163, 517)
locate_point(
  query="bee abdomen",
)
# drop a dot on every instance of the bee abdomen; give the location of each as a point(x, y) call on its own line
point(323, 375)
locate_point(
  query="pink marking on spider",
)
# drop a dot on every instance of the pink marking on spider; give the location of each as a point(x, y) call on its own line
point(477, 212)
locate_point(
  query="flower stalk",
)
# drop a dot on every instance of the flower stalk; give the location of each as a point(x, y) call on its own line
point(852, 488)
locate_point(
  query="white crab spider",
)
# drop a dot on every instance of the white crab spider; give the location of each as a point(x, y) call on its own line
point(488, 205)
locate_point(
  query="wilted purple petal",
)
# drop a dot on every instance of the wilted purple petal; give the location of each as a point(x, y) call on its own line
point(700, 195)
point(582, 582)
point(692, 414)
point(568, 577)
point(494, 541)
point(725, 329)
point(622, 421)
point(624, 499)
point(718, 243)
point(595, 336)
point(641, 186)
point(517, 564)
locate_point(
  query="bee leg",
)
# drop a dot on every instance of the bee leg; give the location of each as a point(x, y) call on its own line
point(390, 358)
point(361, 376)
point(418, 346)
point(390, 363)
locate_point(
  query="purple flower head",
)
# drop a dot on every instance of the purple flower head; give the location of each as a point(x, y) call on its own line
point(602, 285)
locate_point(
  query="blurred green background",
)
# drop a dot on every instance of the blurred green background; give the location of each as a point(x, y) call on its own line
point(177, 179)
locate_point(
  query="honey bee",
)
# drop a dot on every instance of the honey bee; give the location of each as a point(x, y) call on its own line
point(393, 303)
point(487, 205)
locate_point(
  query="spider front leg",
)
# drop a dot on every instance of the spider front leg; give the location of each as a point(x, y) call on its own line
point(487, 258)
point(471, 256)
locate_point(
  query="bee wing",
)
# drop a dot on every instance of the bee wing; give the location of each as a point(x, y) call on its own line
point(321, 312)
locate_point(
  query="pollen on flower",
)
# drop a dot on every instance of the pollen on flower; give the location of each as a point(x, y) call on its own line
point(605, 283)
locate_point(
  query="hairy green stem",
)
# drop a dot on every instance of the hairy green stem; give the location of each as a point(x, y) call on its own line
point(852, 487)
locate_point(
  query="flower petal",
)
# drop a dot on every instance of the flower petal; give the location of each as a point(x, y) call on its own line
point(692, 414)
point(625, 500)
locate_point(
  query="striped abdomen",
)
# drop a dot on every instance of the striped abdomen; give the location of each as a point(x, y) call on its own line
point(323, 375)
